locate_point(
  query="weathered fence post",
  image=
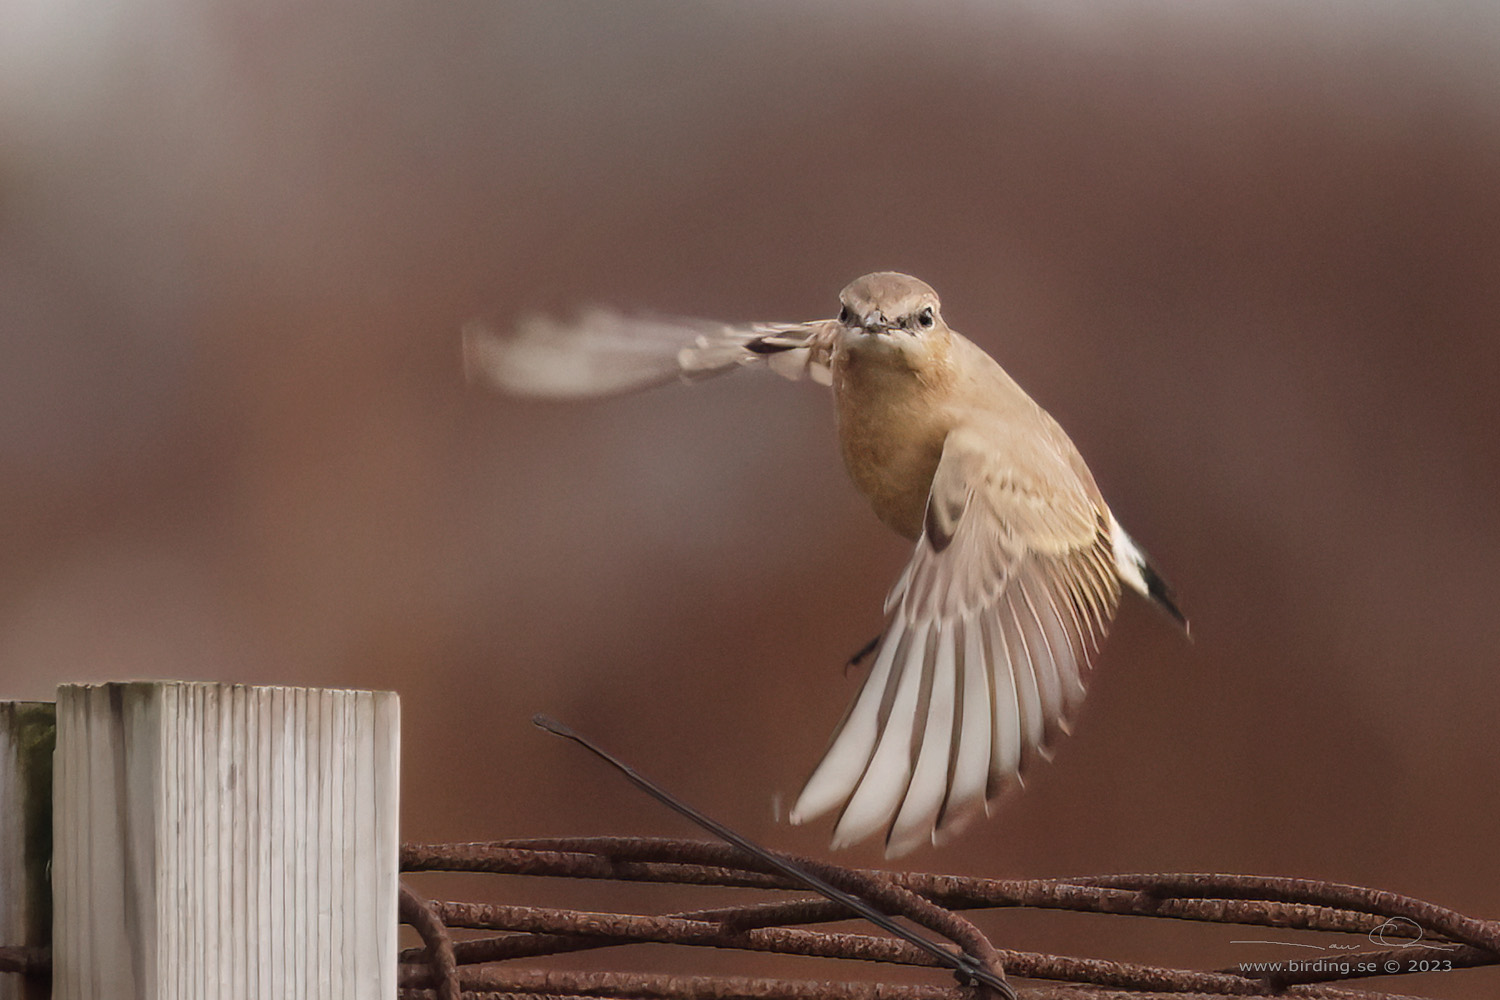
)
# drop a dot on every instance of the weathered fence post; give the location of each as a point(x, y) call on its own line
point(26, 737)
point(222, 841)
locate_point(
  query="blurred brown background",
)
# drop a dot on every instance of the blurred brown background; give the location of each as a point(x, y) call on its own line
point(1249, 255)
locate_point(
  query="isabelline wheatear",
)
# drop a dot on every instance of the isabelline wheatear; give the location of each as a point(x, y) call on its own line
point(1018, 561)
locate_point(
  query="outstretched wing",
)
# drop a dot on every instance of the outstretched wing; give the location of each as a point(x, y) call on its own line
point(606, 353)
point(991, 626)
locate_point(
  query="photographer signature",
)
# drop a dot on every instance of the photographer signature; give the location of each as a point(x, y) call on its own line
point(1397, 932)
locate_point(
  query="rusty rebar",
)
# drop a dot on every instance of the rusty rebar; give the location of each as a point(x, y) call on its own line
point(649, 986)
point(671, 859)
point(1301, 904)
point(1482, 934)
point(517, 858)
point(547, 931)
point(485, 983)
point(418, 913)
point(929, 899)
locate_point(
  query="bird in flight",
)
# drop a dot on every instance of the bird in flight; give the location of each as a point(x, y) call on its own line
point(1018, 562)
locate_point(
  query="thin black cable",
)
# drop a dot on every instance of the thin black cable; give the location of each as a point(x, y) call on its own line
point(966, 966)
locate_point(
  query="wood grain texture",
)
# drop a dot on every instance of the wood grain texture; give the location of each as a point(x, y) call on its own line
point(219, 841)
point(27, 734)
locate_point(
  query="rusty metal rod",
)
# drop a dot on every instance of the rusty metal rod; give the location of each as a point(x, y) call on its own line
point(1247, 899)
point(417, 912)
point(1242, 899)
point(1482, 934)
point(560, 930)
point(479, 982)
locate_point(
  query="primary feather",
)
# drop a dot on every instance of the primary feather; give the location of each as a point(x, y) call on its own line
point(607, 353)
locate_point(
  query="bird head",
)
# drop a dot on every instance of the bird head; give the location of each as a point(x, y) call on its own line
point(893, 316)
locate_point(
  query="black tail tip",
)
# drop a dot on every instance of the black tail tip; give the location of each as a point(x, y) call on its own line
point(1164, 598)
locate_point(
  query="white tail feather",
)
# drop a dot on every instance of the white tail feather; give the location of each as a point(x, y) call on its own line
point(1130, 561)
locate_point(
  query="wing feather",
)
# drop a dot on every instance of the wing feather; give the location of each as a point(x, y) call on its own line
point(975, 727)
point(1006, 760)
point(853, 744)
point(923, 801)
point(1028, 691)
point(982, 666)
point(878, 795)
point(606, 353)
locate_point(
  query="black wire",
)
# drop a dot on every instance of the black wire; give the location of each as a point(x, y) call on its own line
point(968, 968)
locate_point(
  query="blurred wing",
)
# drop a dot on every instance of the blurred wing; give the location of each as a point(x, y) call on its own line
point(982, 664)
point(605, 353)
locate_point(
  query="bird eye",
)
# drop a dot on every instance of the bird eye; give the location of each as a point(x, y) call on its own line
point(844, 316)
point(925, 319)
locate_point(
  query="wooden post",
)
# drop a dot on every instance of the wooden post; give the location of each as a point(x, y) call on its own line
point(226, 842)
point(27, 733)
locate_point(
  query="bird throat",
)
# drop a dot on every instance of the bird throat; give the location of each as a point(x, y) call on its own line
point(890, 433)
